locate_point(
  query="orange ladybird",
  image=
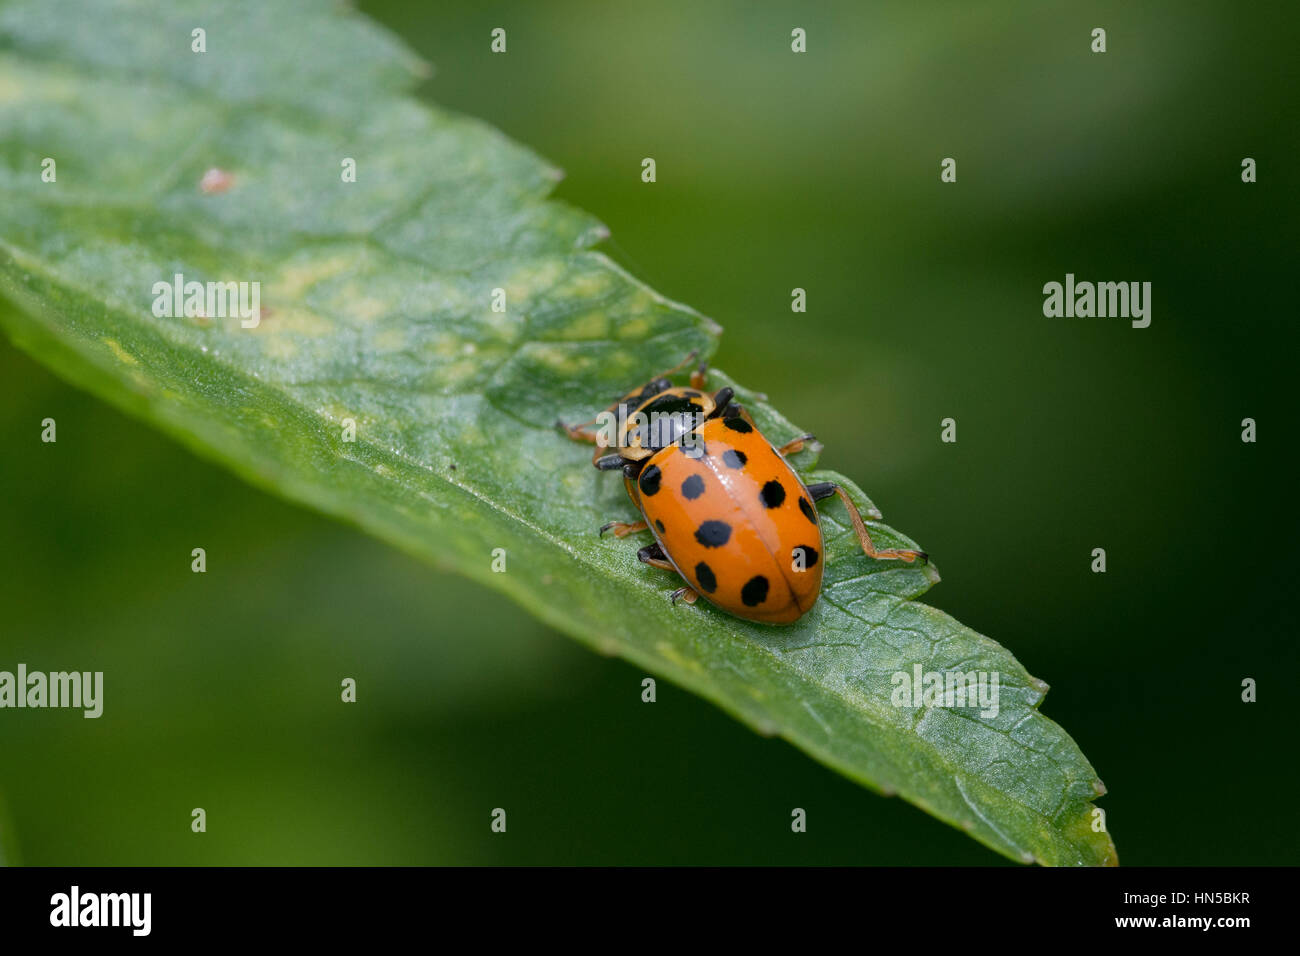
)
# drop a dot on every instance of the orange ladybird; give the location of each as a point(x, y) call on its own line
point(727, 511)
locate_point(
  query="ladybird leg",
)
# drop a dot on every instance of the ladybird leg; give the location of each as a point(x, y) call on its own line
point(825, 489)
point(653, 555)
point(690, 357)
point(700, 375)
point(687, 594)
point(584, 433)
point(821, 489)
point(580, 432)
point(622, 529)
point(795, 445)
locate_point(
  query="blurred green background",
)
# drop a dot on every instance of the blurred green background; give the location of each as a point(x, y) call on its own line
point(775, 171)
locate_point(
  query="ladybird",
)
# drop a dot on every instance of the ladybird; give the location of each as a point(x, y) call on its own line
point(728, 513)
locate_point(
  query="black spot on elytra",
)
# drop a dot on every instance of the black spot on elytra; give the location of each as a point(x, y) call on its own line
point(754, 592)
point(772, 494)
point(660, 525)
point(734, 459)
point(693, 487)
point(650, 480)
point(738, 424)
point(809, 555)
point(713, 534)
point(808, 510)
point(704, 575)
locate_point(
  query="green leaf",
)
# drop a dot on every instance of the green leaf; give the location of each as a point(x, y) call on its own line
point(377, 307)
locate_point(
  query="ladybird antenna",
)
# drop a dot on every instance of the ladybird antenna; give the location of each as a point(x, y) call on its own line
point(666, 373)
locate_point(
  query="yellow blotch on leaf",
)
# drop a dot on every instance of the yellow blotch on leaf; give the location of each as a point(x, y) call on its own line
point(670, 654)
point(298, 277)
point(634, 329)
point(588, 325)
point(298, 321)
point(121, 354)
